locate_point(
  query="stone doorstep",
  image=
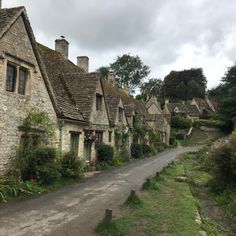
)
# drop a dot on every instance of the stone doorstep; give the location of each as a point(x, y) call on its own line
point(91, 173)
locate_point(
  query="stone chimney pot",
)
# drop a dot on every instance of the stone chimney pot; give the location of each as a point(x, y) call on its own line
point(83, 62)
point(62, 46)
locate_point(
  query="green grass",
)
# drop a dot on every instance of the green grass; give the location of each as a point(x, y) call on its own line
point(169, 209)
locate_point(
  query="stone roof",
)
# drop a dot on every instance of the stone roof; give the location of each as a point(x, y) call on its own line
point(113, 97)
point(8, 16)
point(57, 68)
point(83, 89)
point(202, 103)
point(187, 109)
point(151, 101)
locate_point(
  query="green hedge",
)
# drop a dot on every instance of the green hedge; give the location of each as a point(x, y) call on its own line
point(105, 153)
point(209, 123)
point(136, 150)
point(179, 122)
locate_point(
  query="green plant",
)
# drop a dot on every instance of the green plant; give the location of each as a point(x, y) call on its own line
point(133, 201)
point(71, 167)
point(150, 184)
point(136, 150)
point(218, 124)
point(105, 153)
point(40, 164)
point(147, 150)
point(179, 122)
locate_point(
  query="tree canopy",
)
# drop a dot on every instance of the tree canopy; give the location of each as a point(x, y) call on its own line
point(151, 88)
point(176, 83)
point(103, 71)
point(130, 71)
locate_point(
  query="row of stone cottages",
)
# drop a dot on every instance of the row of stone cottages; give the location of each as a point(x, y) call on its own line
point(82, 107)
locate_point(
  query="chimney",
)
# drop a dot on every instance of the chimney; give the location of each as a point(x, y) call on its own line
point(62, 46)
point(83, 62)
point(0, 4)
point(111, 78)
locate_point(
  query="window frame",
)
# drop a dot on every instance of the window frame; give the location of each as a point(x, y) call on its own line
point(98, 102)
point(99, 139)
point(109, 136)
point(74, 146)
point(120, 114)
point(16, 87)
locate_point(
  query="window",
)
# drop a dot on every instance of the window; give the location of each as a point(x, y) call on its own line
point(22, 81)
point(11, 78)
point(16, 76)
point(99, 138)
point(120, 115)
point(74, 142)
point(110, 136)
point(98, 102)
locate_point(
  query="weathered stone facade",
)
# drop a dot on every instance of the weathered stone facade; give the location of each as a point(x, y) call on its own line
point(16, 49)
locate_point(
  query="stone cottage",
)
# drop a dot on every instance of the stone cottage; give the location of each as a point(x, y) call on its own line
point(23, 85)
point(79, 92)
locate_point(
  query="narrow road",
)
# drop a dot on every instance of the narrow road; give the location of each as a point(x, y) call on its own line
point(76, 209)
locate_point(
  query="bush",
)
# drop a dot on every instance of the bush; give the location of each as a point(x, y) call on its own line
point(223, 164)
point(218, 124)
point(105, 153)
point(147, 150)
point(71, 167)
point(179, 122)
point(180, 136)
point(40, 164)
point(136, 150)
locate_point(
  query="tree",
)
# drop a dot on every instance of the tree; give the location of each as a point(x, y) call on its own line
point(130, 71)
point(103, 71)
point(151, 88)
point(181, 91)
point(175, 78)
point(229, 80)
point(195, 90)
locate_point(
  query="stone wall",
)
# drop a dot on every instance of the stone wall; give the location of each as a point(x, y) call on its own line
point(15, 47)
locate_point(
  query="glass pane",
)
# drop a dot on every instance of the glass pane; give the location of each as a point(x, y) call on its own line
point(22, 81)
point(11, 78)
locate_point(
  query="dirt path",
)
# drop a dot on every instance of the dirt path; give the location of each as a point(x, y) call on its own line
point(76, 209)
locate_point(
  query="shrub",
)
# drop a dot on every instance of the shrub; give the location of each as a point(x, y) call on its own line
point(180, 122)
point(147, 150)
point(40, 164)
point(136, 150)
point(223, 164)
point(71, 167)
point(105, 153)
point(218, 124)
point(180, 136)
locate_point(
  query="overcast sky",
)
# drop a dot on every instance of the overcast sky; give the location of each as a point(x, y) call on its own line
point(167, 35)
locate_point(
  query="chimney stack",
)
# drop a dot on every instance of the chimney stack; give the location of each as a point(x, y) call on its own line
point(62, 46)
point(83, 62)
point(111, 79)
point(0, 4)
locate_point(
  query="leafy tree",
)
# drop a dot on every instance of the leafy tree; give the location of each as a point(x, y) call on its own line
point(195, 90)
point(229, 80)
point(130, 71)
point(181, 91)
point(103, 71)
point(173, 80)
point(151, 88)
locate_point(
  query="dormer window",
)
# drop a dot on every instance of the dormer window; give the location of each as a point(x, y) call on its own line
point(98, 102)
point(16, 79)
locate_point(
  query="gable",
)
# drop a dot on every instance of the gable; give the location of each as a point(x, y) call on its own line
point(153, 109)
point(99, 117)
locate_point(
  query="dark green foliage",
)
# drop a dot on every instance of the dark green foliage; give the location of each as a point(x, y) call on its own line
point(133, 201)
point(71, 167)
point(179, 122)
point(105, 153)
point(184, 84)
point(223, 164)
point(147, 150)
point(130, 71)
point(103, 71)
point(209, 123)
point(136, 150)
point(150, 184)
point(39, 164)
point(180, 136)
